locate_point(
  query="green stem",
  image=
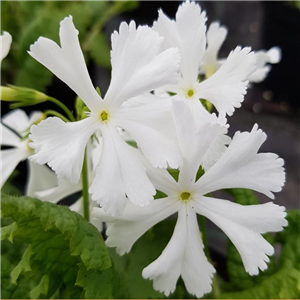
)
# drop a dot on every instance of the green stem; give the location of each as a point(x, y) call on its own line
point(85, 188)
point(57, 114)
point(63, 107)
point(215, 287)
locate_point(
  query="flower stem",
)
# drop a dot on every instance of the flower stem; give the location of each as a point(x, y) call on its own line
point(63, 107)
point(215, 287)
point(57, 114)
point(85, 188)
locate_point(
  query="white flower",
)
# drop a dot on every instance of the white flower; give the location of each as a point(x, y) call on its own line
point(264, 59)
point(138, 67)
point(226, 88)
point(216, 35)
point(5, 42)
point(15, 129)
point(239, 167)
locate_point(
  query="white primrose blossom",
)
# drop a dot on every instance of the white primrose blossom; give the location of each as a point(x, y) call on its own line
point(14, 134)
point(239, 167)
point(138, 67)
point(5, 42)
point(216, 35)
point(226, 88)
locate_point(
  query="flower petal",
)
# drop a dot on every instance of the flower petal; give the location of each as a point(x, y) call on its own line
point(10, 159)
point(138, 65)
point(61, 145)
point(272, 56)
point(67, 62)
point(216, 35)
point(40, 177)
point(5, 42)
point(35, 116)
point(126, 229)
point(196, 272)
point(63, 188)
point(166, 269)
point(18, 121)
point(227, 86)
point(152, 127)
point(244, 226)
point(194, 141)
point(188, 34)
point(119, 173)
point(241, 167)
point(8, 137)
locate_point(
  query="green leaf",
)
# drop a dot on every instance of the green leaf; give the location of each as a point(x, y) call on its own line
point(23, 265)
point(284, 284)
point(7, 232)
point(41, 288)
point(61, 245)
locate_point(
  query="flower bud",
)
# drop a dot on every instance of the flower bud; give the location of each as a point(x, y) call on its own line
point(22, 96)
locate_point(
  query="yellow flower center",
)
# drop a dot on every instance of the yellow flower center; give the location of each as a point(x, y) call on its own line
point(104, 116)
point(184, 196)
point(190, 93)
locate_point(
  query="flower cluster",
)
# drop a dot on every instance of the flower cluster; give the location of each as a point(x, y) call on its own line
point(164, 82)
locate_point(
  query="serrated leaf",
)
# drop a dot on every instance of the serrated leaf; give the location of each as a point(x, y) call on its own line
point(97, 284)
point(23, 265)
point(41, 288)
point(61, 244)
point(7, 232)
point(284, 284)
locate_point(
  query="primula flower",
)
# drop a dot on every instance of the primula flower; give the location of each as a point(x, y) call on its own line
point(216, 35)
point(5, 42)
point(239, 167)
point(226, 88)
point(15, 129)
point(138, 66)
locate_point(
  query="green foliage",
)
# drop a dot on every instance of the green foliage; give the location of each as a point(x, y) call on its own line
point(284, 284)
point(282, 279)
point(289, 238)
point(65, 254)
